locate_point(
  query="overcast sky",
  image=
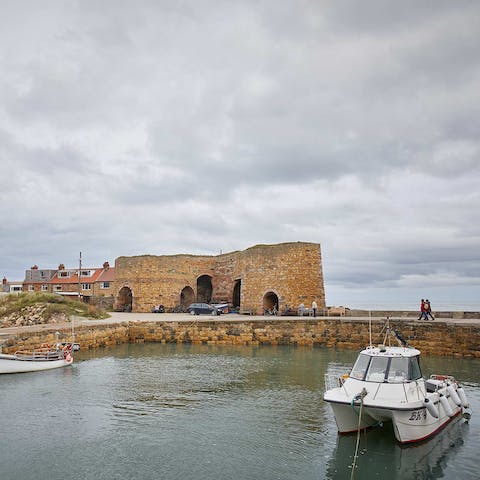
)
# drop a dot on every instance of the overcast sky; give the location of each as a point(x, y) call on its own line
point(162, 127)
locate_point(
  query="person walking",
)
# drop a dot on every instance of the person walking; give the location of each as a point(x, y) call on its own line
point(314, 308)
point(428, 310)
point(423, 314)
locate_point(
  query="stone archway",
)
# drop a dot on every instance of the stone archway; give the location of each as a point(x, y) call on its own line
point(125, 300)
point(270, 303)
point(236, 294)
point(204, 289)
point(187, 296)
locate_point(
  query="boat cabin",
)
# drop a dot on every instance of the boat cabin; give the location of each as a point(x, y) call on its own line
point(387, 364)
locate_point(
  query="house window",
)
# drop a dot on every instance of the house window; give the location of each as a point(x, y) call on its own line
point(58, 288)
point(105, 285)
point(63, 274)
point(85, 273)
point(16, 288)
point(44, 288)
point(42, 273)
point(86, 286)
point(31, 288)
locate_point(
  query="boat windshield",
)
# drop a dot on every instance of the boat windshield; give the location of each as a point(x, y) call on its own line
point(415, 371)
point(398, 371)
point(377, 370)
point(360, 367)
point(390, 369)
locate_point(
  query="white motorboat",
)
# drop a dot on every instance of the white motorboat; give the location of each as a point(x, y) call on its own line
point(386, 385)
point(44, 358)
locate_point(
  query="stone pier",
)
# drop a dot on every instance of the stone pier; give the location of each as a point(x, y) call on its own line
point(436, 338)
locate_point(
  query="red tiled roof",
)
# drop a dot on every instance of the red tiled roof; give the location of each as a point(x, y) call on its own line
point(107, 275)
point(73, 278)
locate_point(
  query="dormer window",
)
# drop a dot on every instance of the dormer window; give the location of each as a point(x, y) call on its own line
point(63, 273)
point(86, 273)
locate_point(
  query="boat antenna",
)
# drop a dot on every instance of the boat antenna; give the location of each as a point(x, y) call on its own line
point(387, 332)
point(370, 326)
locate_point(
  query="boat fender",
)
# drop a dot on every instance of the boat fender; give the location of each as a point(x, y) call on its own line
point(463, 397)
point(69, 359)
point(453, 395)
point(432, 409)
point(446, 406)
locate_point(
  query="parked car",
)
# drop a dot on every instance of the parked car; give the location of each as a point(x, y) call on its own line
point(158, 309)
point(203, 309)
point(221, 307)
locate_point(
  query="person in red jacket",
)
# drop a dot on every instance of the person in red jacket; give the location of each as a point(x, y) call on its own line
point(423, 313)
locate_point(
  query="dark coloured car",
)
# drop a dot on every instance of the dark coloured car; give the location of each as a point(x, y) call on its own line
point(221, 307)
point(202, 309)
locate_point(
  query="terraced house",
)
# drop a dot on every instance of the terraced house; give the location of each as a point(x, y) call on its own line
point(91, 285)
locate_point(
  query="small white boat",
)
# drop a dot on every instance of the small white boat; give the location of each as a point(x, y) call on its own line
point(386, 385)
point(44, 358)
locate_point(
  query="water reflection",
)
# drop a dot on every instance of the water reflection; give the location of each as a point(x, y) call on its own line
point(198, 412)
point(379, 454)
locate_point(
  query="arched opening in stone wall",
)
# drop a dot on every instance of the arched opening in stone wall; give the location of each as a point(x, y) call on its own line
point(125, 300)
point(270, 303)
point(236, 294)
point(187, 296)
point(204, 289)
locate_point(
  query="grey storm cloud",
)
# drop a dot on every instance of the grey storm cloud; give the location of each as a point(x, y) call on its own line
point(194, 127)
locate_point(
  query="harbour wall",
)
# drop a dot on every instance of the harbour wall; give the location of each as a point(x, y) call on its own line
point(439, 338)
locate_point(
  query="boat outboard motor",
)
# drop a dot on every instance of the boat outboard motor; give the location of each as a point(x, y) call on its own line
point(453, 395)
point(432, 409)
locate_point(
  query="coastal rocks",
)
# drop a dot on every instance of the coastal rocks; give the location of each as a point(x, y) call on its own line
point(32, 315)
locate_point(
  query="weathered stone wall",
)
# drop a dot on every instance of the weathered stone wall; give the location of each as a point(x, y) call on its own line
point(293, 271)
point(434, 339)
point(160, 279)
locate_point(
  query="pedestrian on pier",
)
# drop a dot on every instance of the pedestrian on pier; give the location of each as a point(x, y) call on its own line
point(314, 308)
point(428, 310)
point(423, 314)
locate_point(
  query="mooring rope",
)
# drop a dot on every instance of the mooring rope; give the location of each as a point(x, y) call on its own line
point(362, 394)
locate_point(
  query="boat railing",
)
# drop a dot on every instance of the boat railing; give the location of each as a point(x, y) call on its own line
point(39, 354)
point(334, 380)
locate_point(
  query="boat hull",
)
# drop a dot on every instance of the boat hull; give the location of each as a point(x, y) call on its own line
point(11, 364)
point(418, 425)
point(410, 425)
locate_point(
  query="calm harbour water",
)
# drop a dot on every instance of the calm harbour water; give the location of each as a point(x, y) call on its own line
point(208, 412)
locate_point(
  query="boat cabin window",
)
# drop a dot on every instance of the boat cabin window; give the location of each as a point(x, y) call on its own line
point(377, 370)
point(381, 369)
point(415, 372)
point(398, 371)
point(360, 367)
